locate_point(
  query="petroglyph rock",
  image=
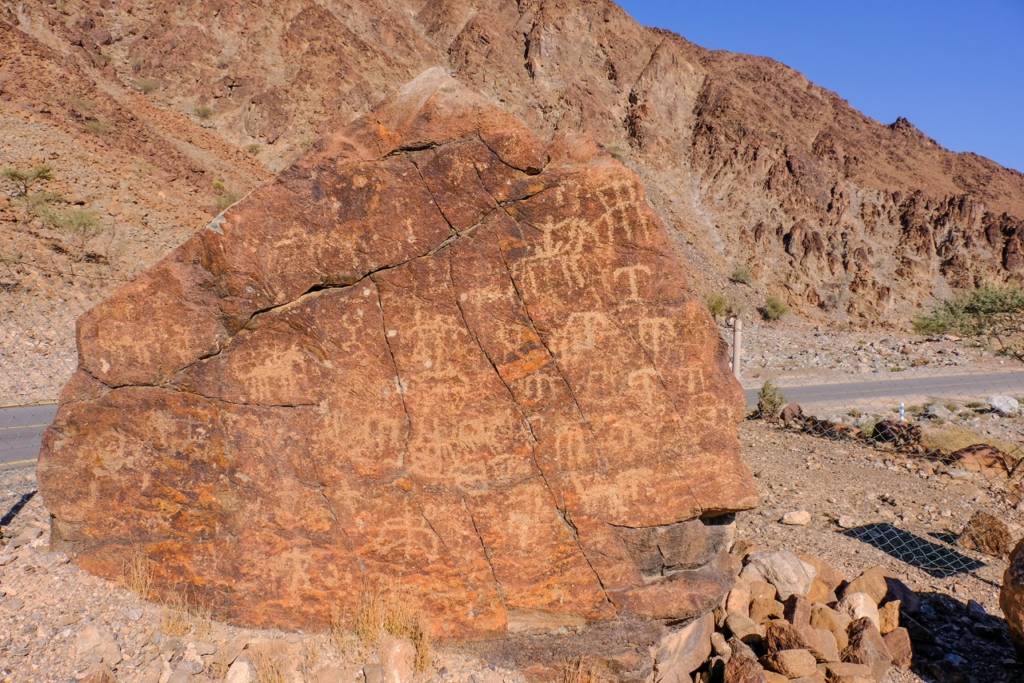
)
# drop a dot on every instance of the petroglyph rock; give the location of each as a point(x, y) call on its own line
point(434, 357)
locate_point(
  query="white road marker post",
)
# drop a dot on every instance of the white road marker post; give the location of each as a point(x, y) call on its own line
point(737, 344)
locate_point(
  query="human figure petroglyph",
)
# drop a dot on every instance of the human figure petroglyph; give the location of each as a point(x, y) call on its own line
point(632, 276)
point(654, 332)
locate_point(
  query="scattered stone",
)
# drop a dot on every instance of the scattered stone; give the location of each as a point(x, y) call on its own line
point(720, 645)
point(784, 570)
point(987, 534)
point(241, 670)
point(782, 635)
point(859, 605)
point(872, 582)
point(96, 644)
point(847, 522)
point(889, 617)
point(1005, 406)
point(743, 666)
point(835, 622)
point(797, 518)
point(937, 411)
point(848, 672)
point(681, 652)
point(898, 644)
point(791, 663)
point(398, 659)
point(762, 609)
point(867, 647)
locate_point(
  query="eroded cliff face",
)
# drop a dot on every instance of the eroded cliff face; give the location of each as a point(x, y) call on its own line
point(748, 162)
point(435, 356)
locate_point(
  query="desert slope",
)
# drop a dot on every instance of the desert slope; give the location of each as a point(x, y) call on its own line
point(153, 113)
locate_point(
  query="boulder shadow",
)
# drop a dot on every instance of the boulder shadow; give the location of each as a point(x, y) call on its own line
point(936, 560)
point(956, 642)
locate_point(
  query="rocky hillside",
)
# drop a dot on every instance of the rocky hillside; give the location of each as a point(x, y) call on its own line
point(155, 113)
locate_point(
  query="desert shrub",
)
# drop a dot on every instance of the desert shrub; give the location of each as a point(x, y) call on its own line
point(253, 149)
point(225, 197)
point(770, 401)
point(203, 111)
point(146, 85)
point(949, 438)
point(24, 179)
point(97, 127)
point(381, 611)
point(718, 305)
point(773, 308)
point(993, 315)
point(742, 276)
point(80, 225)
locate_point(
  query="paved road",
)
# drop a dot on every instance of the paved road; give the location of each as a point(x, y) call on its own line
point(948, 386)
point(21, 429)
point(21, 432)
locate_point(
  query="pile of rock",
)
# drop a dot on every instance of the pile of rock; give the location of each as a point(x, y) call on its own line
point(792, 618)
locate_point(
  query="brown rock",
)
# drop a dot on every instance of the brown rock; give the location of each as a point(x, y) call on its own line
point(836, 623)
point(1011, 595)
point(821, 642)
point(742, 627)
point(871, 582)
point(898, 644)
point(857, 604)
point(772, 677)
point(867, 647)
point(825, 572)
point(762, 590)
point(983, 458)
point(987, 534)
point(425, 356)
point(816, 677)
point(797, 611)
point(743, 666)
point(683, 651)
point(738, 601)
point(820, 592)
point(889, 616)
point(762, 609)
point(791, 663)
point(848, 672)
point(782, 635)
point(910, 603)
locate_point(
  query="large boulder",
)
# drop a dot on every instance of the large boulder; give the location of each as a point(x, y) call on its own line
point(1011, 596)
point(434, 358)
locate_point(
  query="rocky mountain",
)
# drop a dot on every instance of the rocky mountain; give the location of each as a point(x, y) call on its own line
point(156, 113)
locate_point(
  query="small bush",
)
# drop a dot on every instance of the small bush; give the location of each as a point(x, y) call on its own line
point(774, 308)
point(97, 127)
point(718, 305)
point(770, 401)
point(24, 179)
point(146, 85)
point(203, 111)
point(993, 315)
point(742, 276)
point(253, 149)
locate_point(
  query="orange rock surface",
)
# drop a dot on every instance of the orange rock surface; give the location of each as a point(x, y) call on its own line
point(434, 356)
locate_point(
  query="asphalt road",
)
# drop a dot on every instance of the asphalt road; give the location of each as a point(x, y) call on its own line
point(948, 386)
point(21, 433)
point(21, 429)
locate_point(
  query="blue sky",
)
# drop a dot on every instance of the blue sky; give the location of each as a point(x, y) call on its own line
point(955, 69)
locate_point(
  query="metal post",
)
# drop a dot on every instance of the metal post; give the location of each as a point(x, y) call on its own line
point(737, 345)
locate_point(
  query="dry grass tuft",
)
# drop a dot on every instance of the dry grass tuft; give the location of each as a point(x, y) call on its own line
point(182, 616)
point(383, 611)
point(137, 573)
point(270, 667)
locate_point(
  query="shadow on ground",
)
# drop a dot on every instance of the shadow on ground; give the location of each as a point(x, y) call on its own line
point(16, 508)
point(937, 560)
